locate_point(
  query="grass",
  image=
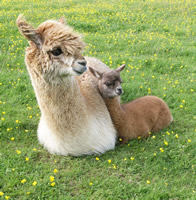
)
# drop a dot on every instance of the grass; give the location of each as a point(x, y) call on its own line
point(156, 39)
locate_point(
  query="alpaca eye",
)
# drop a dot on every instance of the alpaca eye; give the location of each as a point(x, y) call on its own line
point(57, 52)
point(108, 84)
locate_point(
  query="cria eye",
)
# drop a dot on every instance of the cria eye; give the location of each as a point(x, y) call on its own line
point(57, 52)
point(108, 84)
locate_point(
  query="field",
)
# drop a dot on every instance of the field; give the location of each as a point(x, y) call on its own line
point(156, 39)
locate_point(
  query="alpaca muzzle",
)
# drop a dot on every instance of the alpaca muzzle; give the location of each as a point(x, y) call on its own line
point(80, 69)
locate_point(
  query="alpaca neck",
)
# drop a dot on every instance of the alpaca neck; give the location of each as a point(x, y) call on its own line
point(115, 109)
point(61, 103)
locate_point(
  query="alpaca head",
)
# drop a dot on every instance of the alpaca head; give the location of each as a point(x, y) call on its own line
point(109, 82)
point(55, 49)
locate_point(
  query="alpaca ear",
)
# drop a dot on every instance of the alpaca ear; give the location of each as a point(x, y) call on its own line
point(62, 20)
point(97, 74)
point(119, 69)
point(28, 31)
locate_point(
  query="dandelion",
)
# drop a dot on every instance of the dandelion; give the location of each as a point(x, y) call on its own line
point(97, 158)
point(153, 137)
point(148, 181)
point(34, 183)
point(149, 133)
point(125, 159)
point(109, 161)
point(132, 158)
point(26, 131)
point(28, 193)
point(181, 106)
point(114, 166)
point(166, 184)
point(7, 197)
point(27, 159)
point(2, 118)
point(90, 183)
point(3, 113)
point(53, 184)
point(189, 140)
point(1, 193)
point(168, 133)
point(139, 138)
point(23, 181)
point(12, 138)
point(155, 154)
point(176, 135)
point(51, 178)
point(17, 121)
point(34, 149)
point(161, 149)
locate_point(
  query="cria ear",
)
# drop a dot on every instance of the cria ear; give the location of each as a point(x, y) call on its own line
point(62, 21)
point(119, 69)
point(97, 74)
point(28, 31)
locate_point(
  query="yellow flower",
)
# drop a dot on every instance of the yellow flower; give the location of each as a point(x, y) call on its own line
point(3, 113)
point(17, 121)
point(155, 154)
point(139, 138)
point(51, 178)
point(165, 142)
point(148, 181)
point(125, 159)
point(181, 106)
point(120, 139)
point(23, 180)
point(132, 158)
point(28, 193)
point(149, 133)
point(34, 183)
point(109, 161)
point(26, 131)
point(12, 138)
point(1, 193)
point(18, 152)
point(34, 149)
point(55, 171)
point(166, 184)
point(168, 133)
point(114, 166)
point(7, 197)
point(90, 183)
point(97, 158)
point(176, 135)
point(53, 184)
point(153, 137)
point(161, 149)
point(189, 140)
point(27, 159)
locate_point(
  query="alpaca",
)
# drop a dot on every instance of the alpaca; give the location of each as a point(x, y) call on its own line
point(136, 118)
point(74, 118)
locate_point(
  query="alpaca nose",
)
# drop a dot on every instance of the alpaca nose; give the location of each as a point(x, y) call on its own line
point(80, 67)
point(119, 91)
point(82, 62)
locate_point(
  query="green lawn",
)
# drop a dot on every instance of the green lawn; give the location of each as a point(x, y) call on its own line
point(156, 39)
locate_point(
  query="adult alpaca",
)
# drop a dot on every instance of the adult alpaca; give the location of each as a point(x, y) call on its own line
point(74, 118)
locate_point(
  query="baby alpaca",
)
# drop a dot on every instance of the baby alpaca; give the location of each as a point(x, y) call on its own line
point(136, 118)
